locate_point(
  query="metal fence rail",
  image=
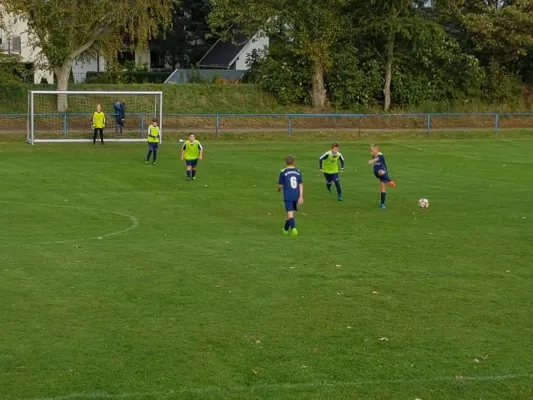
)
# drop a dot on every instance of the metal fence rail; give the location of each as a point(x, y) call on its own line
point(287, 122)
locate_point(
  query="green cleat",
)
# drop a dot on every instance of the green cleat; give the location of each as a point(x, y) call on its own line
point(285, 233)
point(146, 162)
point(340, 198)
point(294, 232)
point(153, 163)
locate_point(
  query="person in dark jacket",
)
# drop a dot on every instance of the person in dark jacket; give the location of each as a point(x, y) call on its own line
point(120, 116)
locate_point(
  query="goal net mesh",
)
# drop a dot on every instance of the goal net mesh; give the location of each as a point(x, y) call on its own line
point(47, 122)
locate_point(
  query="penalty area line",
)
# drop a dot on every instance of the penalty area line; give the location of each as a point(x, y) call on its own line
point(284, 386)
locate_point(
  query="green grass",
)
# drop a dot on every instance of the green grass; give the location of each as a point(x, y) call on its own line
point(193, 293)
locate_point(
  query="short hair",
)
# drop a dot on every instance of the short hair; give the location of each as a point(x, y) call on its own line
point(374, 145)
point(191, 134)
point(335, 145)
point(290, 160)
point(155, 120)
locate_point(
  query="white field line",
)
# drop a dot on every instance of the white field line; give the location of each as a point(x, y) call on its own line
point(134, 221)
point(284, 386)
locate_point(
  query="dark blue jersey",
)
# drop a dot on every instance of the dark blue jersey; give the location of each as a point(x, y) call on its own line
point(380, 164)
point(290, 178)
point(120, 112)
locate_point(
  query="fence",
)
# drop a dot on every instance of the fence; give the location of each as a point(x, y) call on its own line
point(288, 123)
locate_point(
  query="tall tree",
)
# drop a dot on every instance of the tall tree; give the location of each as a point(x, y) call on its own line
point(384, 25)
point(309, 27)
point(68, 29)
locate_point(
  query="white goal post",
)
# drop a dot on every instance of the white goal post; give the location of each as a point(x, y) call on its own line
point(48, 123)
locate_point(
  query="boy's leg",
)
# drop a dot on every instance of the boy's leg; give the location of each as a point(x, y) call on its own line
point(383, 186)
point(102, 135)
point(328, 182)
point(155, 153)
point(95, 134)
point(338, 186)
point(193, 169)
point(148, 155)
point(188, 172)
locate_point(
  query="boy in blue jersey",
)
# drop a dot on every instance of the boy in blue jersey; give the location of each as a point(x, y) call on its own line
point(329, 165)
point(290, 181)
point(381, 172)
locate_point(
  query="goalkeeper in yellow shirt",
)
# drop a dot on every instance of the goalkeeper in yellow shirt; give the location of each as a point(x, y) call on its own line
point(98, 122)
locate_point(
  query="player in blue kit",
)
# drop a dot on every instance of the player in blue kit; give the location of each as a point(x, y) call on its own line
point(290, 181)
point(381, 172)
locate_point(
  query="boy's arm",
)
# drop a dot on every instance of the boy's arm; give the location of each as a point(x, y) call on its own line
point(280, 182)
point(374, 160)
point(103, 124)
point(301, 199)
point(321, 160)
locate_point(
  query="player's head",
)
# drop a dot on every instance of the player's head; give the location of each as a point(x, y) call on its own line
point(290, 161)
point(374, 149)
point(335, 148)
point(155, 122)
point(191, 137)
point(98, 107)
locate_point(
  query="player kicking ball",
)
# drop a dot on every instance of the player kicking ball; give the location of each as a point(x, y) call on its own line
point(380, 172)
point(191, 152)
point(153, 141)
point(290, 181)
point(329, 165)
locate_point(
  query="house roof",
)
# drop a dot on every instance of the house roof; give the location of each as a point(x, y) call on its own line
point(223, 54)
point(204, 75)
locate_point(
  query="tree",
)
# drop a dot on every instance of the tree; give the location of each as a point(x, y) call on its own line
point(12, 69)
point(309, 28)
point(68, 29)
point(185, 41)
point(384, 25)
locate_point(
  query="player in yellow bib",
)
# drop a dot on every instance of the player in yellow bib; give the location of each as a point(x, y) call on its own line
point(98, 122)
point(191, 152)
point(154, 138)
point(329, 165)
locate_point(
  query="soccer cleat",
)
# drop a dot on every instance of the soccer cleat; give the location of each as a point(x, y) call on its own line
point(382, 206)
point(285, 233)
point(329, 189)
point(153, 163)
point(294, 232)
point(339, 197)
point(392, 184)
point(194, 178)
point(188, 178)
point(146, 162)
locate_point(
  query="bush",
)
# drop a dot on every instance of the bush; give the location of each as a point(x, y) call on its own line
point(126, 77)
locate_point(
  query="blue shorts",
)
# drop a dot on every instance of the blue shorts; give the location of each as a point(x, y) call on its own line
point(153, 146)
point(377, 175)
point(331, 177)
point(291, 206)
point(191, 163)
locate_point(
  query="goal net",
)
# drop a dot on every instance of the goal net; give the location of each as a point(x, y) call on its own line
point(66, 116)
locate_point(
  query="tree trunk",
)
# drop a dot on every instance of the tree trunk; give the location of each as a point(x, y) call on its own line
point(319, 90)
point(388, 74)
point(63, 75)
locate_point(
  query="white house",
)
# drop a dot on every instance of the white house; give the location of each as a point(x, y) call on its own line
point(14, 38)
point(225, 55)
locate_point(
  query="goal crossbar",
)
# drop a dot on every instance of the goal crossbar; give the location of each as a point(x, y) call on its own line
point(56, 123)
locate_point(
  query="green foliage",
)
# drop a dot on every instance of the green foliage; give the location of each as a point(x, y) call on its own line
point(353, 84)
point(12, 69)
point(126, 77)
point(284, 74)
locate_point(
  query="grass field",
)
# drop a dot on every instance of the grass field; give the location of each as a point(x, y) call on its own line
point(123, 281)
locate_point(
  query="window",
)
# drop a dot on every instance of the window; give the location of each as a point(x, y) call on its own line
point(16, 45)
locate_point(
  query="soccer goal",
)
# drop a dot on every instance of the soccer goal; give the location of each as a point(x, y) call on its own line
point(66, 116)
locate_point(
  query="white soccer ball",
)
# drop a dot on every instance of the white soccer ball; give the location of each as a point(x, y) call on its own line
point(423, 203)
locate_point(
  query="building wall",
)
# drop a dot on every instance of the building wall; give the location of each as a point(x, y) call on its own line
point(81, 67)
point(28, 53)
point(254, 44)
